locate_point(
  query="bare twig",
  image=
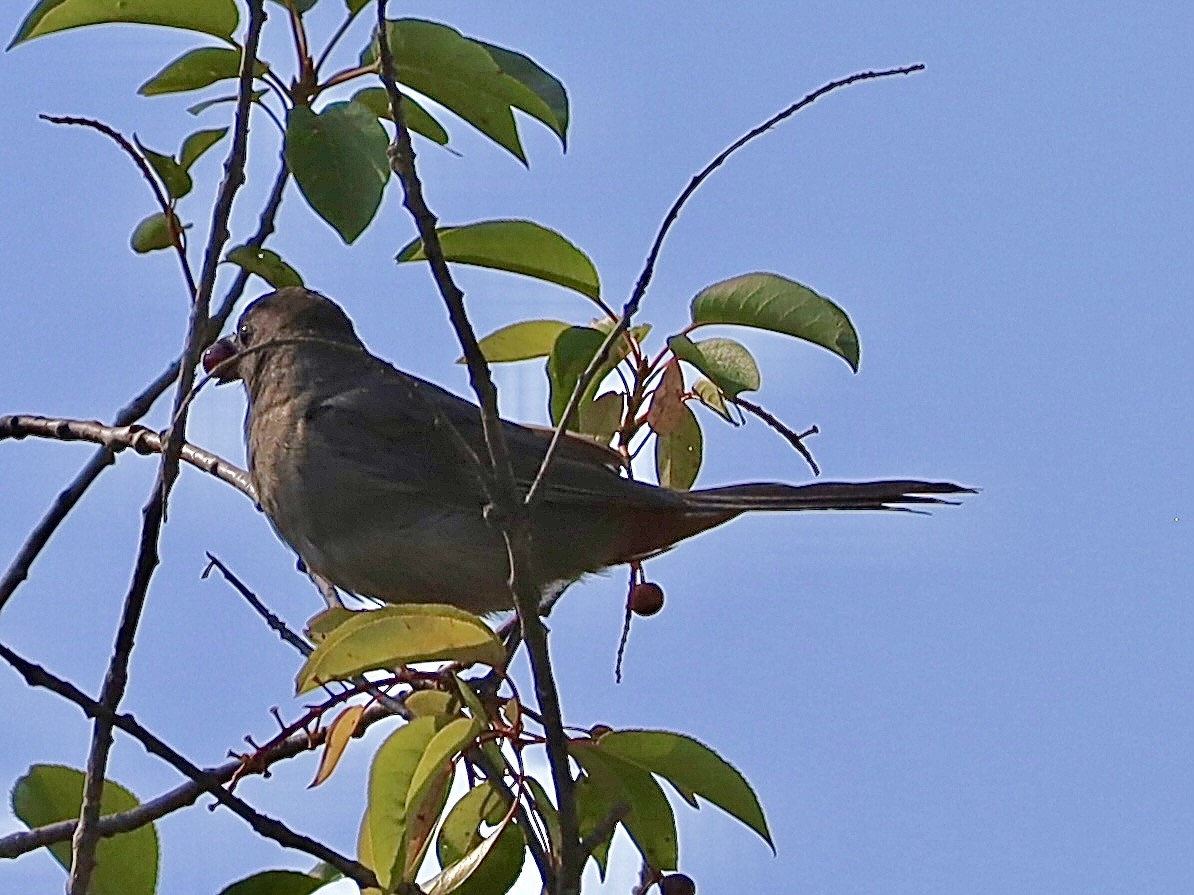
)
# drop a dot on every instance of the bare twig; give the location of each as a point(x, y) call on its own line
point(177, 239)
point(640, 288)
point(508, 511)
point(270, 828)
point(86, 837)
point(794, 438)
point(276, 624)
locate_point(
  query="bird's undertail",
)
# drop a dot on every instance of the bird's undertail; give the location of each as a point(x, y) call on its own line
point(893, 494)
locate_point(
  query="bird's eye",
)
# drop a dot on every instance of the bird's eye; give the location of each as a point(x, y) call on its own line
point(244, 334)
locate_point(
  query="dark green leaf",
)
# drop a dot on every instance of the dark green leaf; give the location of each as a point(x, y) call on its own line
point(196, 69)
point(678, 454)
point(650, 822)
point(198, 143)
point(731, 367)
point(267, 264)
point(417, 118)
point(769, 301)
point(355, 6)
point(338, 158)
point(546, 810)
point(216, 17)
point(461, 74)
point(127, 863)
point(400, 635)
point(199, 108)
point(593, 805)
point(275, 882)
point(174, 176)
point(574, 348)
point(300, 6)
point(518, 247)
point(691, 766)
point(540, 82)
point(153, 233)
point(521, 341)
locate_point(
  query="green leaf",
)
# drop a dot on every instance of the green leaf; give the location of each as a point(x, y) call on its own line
point(266, 263)
point(473, 864)
point(338, 157)
point(300, 6)
point(385, 831)
point(355, 6)
point(400, 635)
point(540, 82)
point(690, 766)
point(521, 341)
point(196, 69)
point(461, 74)
point(602, 417)
point(593, 805)
point(198, 143)
point(443, 747)
point(199, 108)
point(678, 454)
point(570, 356)
point(417, 118)
point(731, 367)
point(275, 882)
point(651, 822)
point(152, 233)
point(430, 702)
point(711, 396)
point(174, 176)
point(215, 17)
point(546, 810)
point(127, 863)
point(522, 247)
point(769, 301)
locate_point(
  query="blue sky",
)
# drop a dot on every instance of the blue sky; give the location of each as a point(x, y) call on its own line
point(994, 698)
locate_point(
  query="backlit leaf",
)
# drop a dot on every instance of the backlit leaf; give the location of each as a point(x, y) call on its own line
point(198, 143)
point(400, 635)
point(417, 118)
point(196, 69)
point(275, 882)
point(678, 454)
point(731, 367)
point(266, 263)
point(521, 341)
point(540, 82)
point(339, 735)
point(127, 863)
point(667, 406)
point(153, 233)
point(711, 396)
point(769, 301)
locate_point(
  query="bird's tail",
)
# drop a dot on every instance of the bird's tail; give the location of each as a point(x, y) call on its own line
point(895, 494)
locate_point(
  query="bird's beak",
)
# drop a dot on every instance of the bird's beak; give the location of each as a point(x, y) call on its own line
point(219, 361)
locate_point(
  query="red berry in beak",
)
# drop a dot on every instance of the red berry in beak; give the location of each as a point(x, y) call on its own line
point(646, 598)
point(221, 351)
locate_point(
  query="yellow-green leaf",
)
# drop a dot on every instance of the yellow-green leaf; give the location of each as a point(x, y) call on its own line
point(127, 863)
point(769, 301)
point(385, 832)
point(711, 396)
point(153, 233)
point(693, 767)
point(473, 864)
point(431, 702)
point(443, 747)
point(570, 356)
point(215, 17)
point(678, 454)
point(731, 367)
point(521, 247)
point(400, 635)
point(520, 341)
point(266, 263)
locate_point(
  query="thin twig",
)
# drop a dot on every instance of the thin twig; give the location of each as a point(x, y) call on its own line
point(86, 838)
point(276, 624)
point(269, 827)
point(176, 233)
point(794, 438)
